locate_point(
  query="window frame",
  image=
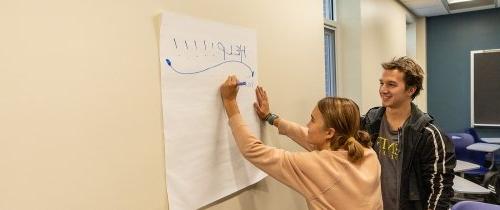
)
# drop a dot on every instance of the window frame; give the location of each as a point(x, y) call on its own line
point(331, 26)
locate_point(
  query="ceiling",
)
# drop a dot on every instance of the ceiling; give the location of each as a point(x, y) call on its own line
point(429, 8)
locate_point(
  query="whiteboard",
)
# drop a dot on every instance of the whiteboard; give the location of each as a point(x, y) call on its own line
point(203, 163)
point(485, 88)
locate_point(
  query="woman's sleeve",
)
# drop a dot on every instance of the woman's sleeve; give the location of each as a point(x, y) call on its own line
point(288, 168)
point(296, 132)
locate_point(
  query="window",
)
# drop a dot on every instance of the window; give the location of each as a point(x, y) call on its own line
point(330, 26)
point(330, 62)
point(329, 9)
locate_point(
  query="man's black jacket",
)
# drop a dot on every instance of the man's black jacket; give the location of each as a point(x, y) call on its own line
point(427, 160)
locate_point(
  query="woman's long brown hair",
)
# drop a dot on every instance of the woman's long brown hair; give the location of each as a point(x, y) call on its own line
point(342, 114)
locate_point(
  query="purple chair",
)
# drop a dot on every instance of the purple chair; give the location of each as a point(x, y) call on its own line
point(461, 141)
point(477, 139)
point(473, 205)
point(474, 134)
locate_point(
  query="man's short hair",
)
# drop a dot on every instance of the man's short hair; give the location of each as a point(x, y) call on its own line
point(413, 73)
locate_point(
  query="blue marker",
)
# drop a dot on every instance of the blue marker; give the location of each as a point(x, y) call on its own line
point(241, 83)
point(168, 62)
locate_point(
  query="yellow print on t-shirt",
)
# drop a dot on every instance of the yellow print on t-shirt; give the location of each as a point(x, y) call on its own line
point(388, 148)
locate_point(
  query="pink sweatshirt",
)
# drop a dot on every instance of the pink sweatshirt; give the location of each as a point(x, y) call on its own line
point(325, 178)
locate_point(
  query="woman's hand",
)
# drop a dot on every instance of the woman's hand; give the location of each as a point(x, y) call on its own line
point(228, 93)
point(229, 89)
point(262, 104)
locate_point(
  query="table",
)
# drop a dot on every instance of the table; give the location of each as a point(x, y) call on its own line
point(461, 185)
point(485, 147)
point(491, 140)
point(465, 166)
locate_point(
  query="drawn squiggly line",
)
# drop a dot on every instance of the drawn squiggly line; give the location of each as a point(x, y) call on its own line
point(169, 63)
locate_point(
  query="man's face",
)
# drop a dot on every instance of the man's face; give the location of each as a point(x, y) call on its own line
point(393, 90)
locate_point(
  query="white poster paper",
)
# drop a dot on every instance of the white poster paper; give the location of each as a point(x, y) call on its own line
point(203, 163)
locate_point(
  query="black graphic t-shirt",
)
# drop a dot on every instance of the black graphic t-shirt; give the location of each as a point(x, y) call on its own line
point(387, 148)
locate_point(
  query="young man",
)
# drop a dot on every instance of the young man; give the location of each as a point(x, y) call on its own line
point(417, 158)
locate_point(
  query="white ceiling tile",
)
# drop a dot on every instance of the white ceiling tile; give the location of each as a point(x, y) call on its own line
point(419, 0)
point(425, 7)
point(435, 7)
point(430, 11)
point(417, 4)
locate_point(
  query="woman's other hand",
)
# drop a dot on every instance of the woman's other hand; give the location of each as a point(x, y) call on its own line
point(262, 104)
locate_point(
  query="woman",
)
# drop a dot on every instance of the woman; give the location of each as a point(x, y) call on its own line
point(339, 171)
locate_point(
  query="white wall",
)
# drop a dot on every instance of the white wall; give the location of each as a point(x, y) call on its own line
point(411, 39)
point(383, 37)
point(349, 49)
point(81, 105)
point(421, 100)
point(80, 92)
point(377, 35)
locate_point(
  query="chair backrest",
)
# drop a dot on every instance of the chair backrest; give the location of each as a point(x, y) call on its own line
point(474, 134)
point(473, 205)
point(461, 141)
